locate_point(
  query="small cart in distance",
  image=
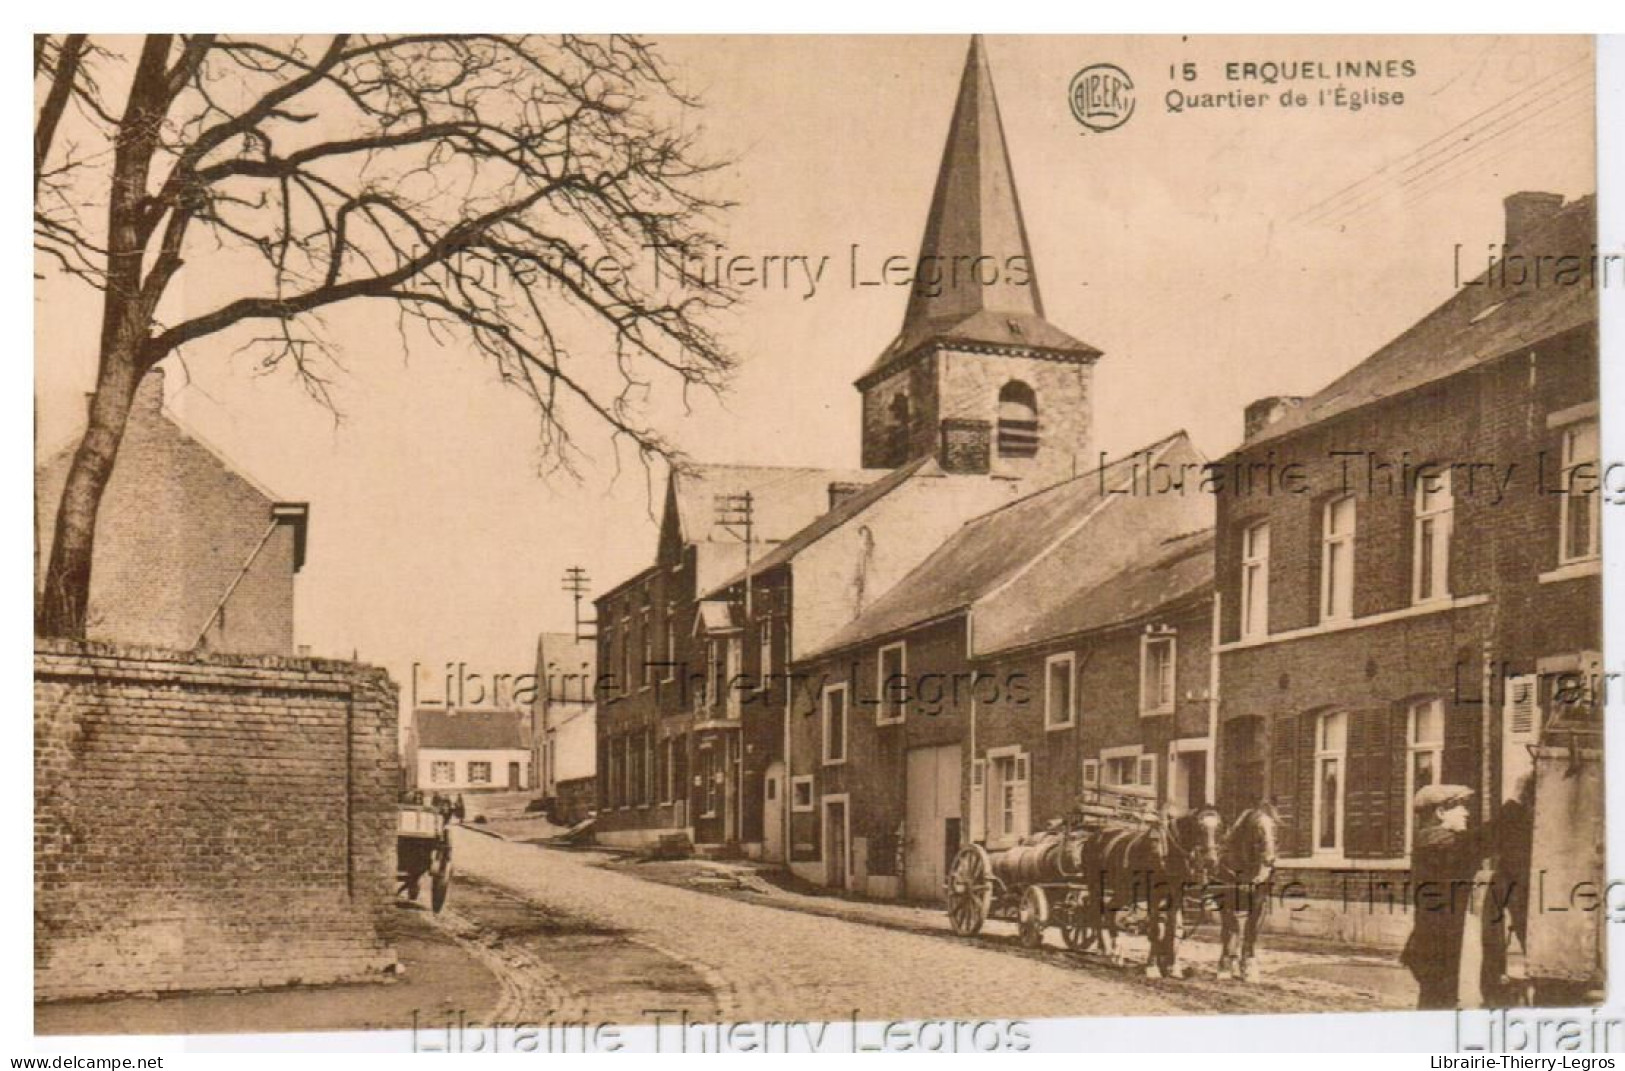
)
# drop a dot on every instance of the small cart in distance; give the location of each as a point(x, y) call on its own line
point(423, 849)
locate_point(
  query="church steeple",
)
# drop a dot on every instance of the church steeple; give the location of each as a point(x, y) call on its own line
point(975, 362)
point(975, 212)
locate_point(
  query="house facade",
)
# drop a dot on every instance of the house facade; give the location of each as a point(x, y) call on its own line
point(190, 552)
point(564, 726)
point(464, 751)
point(1425, 600)
point(675, 675)
point(1111, 688)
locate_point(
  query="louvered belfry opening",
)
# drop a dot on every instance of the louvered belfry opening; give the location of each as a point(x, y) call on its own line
point(1018, 420)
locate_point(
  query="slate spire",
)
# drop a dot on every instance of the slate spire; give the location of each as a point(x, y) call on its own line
point(986, 286)
point(975, 211)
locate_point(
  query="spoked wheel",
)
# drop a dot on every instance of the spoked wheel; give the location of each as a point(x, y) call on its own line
point(1033, 915)
point(440, 880)
point(1077, 929)
point(970, 890)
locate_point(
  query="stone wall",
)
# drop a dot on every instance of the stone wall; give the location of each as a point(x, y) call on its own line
point(209, 822)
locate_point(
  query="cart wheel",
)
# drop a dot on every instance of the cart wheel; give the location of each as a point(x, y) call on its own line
point(1077, 929)
point(970, 890)
point(1033, 916)
point(441, 883)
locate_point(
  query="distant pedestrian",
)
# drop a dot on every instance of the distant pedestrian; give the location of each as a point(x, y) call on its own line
point(1443, 864)
point(458, 811)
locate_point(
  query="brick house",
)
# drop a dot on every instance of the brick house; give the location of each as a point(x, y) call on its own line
point(1378, 631)
point(564, 725)
point(672, 670)
point(451, 751)
point(813, 583)
point(1109, 686)
point(878, 772)
point(190, 553)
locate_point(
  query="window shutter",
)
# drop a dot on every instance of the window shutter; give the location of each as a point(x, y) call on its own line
point(1091, 773)
point(978, 801)
point(1399, 807)
point(1284, 786)
point(1365, 832)
point(1023, 794)
point(1523, 709)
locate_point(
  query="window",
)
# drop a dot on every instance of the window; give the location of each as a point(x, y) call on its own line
point(649, 782)
point(1125, 769)
point(1157, 674)
point(670, 668)
point(647, 635)
point(893, 684)
point(1425, 739)
point(801, 793)
point(1008, 773)
point(714, 673)
point(442, 773)
point(1579, 504)
point(626, 652)
point(901, 429)
point(1337, 560)
point(1060, 699)
point(479, 773)
point(1331, 741)
point(1430, 554)
point(1018, 420)
point(1255, 581)
point(1091, 773)
point(834, 724)
point(764, 666)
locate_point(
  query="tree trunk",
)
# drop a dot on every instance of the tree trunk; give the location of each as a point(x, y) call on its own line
point(65, 597)
point(126, 326)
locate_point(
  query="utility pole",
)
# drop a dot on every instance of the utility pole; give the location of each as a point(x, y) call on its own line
point(736, 515)
point(577, 583)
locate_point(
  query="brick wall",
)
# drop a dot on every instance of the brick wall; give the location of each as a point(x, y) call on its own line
point(207, 823)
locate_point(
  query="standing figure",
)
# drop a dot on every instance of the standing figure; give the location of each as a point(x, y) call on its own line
point(458, 811)
point(1444, 861)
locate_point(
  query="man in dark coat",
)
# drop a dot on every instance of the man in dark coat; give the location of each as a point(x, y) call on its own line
point(1444, 860)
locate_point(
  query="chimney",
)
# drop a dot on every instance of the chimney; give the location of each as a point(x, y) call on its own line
point(1526, 211)
point(149, 396)
point(966, 446)
point(841, 490)
point(1266, 411)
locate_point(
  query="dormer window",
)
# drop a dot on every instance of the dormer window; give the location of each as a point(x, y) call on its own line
point(1018, 420)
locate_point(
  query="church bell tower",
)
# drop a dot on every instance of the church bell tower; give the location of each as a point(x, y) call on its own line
point(977, 377)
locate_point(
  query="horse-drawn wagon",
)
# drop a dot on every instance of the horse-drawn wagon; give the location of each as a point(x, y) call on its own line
point(423, 850)
point(1118, 863)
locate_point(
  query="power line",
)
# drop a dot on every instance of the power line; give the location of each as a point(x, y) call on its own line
point(1560, 82)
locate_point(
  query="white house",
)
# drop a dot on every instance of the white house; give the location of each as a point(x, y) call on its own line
point(469, 751)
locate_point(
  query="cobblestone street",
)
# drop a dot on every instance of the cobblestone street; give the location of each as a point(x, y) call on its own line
point(632, 946)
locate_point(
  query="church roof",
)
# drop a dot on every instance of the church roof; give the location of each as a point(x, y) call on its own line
point(975, 213)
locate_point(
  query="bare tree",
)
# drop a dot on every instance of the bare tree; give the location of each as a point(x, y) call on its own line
point(496, 190)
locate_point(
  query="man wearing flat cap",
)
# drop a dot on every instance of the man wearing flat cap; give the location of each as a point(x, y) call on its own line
point(1444, 860)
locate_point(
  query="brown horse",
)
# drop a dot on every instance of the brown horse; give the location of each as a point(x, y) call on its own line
point(1151, 868)
point(1246, 864)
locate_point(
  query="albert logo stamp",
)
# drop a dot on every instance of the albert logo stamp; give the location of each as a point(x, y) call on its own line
point(1102, 97)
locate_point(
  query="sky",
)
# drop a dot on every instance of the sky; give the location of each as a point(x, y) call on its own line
point(1215, 255)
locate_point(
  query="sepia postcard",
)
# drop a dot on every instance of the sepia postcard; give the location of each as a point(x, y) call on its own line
point(765, 543)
